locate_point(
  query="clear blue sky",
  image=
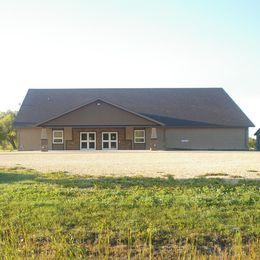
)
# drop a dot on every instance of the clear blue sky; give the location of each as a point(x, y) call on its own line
point(94, 43)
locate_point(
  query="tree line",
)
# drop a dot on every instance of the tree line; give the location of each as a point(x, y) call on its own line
point(8, 140)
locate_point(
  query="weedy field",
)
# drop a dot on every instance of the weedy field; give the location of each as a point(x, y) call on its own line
point(57, 216)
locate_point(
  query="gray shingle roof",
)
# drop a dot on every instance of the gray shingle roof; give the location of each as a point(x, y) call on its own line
point(201, 107)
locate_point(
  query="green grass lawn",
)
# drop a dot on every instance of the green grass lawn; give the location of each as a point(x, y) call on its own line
point(58, 216)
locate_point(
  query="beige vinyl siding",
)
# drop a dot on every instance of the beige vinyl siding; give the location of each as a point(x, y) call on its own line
point(67, 134)
point(160, 142)
point(29, 139)
point(129, 133)
point(49, 134)
point(206, 138)
point(160, 138)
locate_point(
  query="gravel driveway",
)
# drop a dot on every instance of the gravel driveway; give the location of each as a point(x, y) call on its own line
point(180, 164)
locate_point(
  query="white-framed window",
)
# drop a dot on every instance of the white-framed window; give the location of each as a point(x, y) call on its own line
point(139, 136)
point(57, 136)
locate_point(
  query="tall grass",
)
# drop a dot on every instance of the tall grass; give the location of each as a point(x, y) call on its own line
point(56, 216)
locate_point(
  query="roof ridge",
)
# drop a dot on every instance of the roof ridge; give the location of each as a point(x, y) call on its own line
point(130, 88)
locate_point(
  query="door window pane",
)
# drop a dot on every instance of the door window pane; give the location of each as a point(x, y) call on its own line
point(84, 137)
point(84, 145)
point(105, 145)
point(113, 145)
point(91, 136)
point(113, 136)
point(105, 136)
point(91, 145)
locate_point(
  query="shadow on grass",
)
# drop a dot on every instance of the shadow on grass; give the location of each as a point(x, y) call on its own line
point(62, 179)
point(145, 182)
point(10, 178)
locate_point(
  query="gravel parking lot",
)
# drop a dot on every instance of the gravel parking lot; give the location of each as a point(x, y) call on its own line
point(180, 164)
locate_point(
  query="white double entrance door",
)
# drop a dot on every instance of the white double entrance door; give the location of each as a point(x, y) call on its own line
point(109, 141)
point(88, 140)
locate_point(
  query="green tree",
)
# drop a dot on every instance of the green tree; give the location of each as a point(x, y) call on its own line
point(252, 143)
point(7, 132)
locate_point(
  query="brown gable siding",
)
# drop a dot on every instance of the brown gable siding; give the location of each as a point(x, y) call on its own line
point(99, 113)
